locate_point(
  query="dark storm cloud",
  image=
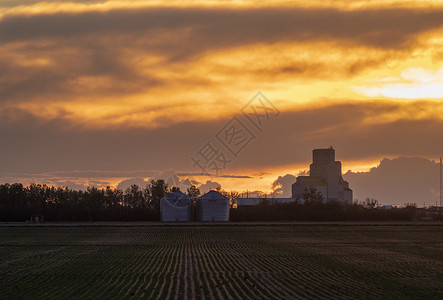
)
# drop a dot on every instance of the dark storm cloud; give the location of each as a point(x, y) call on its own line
point(104, 46)
point(398, 181)
point(394, 181)
point(61, 78)
point(359, 131)
point(223, 176)
point(14, 3)
point(31, 145)
point(282, 186)
point(216, 28)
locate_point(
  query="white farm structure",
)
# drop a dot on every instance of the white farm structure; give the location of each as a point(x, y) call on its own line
point(326, 177)
point(213, 206)
point(176, 207)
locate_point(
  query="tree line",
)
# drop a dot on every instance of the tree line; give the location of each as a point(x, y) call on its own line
point(318, 211)
point(314, 209)
point(19, 203)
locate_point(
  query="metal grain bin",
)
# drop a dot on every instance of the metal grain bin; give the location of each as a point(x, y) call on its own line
point(213, 206)
point(176, 207)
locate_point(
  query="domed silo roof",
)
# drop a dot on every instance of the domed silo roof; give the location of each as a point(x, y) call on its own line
point(212, 194)
point(178, 199)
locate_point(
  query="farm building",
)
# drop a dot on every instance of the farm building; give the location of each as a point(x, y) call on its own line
point(271, 201)
point(37, 218)
point(326, 177)
point(213, 206)
point(176, 206)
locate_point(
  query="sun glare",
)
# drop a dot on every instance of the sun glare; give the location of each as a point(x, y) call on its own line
point(413, 83)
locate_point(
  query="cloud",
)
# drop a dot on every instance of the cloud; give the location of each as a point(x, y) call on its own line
point(220, 28)
point(304, 173)
point(143, 89)
point(117, 67)
point(208, 185)
point(127, 183)
point(282, 186)
point(191, 174)
point(174, 179)
point(414, 83)
point(253, 194)
point(359, 131)
point(169, 176)
point(394, 181)
point(75, 183)
point(398, 181)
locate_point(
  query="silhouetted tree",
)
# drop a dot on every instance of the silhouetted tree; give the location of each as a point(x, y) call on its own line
point(134, 197)
point(113, 197)
point(312, 196)
point(18, 203)
point(232, 196)
point(370, 203)
point(36, 196)
point(16, 196)
point(193, 192)
point(155, 191)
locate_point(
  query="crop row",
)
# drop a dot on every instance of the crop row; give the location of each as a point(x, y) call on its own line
point(220, 263)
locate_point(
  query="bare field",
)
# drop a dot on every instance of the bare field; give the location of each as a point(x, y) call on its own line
point(222, 262)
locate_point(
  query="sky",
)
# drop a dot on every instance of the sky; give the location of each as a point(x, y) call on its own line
point(113, 92)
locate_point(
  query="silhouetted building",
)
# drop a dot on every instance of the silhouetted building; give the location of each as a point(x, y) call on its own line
point(271, 201)
point(213, 206)
point(176, 206)
point(326, 177)
point(37, 218)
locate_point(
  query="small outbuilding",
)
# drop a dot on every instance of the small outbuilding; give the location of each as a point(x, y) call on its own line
point(176, 207)
point(37, 218)
point(213, 206)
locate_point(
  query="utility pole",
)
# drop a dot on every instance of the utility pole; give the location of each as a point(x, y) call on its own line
point(441, 184)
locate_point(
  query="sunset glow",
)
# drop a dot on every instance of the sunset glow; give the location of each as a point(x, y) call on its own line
point(130, 85)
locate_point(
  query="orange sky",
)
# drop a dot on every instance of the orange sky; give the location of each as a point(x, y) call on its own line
point(123, 86)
